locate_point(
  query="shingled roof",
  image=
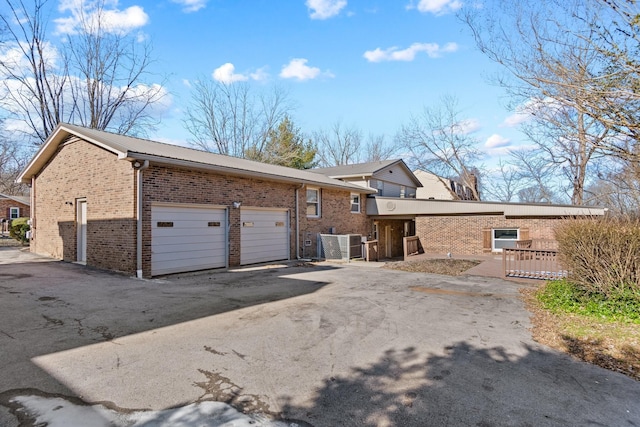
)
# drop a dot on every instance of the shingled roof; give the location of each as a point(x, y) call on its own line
point(132, 148)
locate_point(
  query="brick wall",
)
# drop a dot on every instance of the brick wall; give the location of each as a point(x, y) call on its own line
point(335, 212)
point(82, 170)
point(464, 234)
point(162, 184)
point(5, 204)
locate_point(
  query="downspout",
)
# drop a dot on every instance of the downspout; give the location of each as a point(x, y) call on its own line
point(298, 224)
point(139, 167)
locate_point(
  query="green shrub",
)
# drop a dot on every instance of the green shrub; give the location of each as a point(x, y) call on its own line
point(602, 256)
point(18, 229)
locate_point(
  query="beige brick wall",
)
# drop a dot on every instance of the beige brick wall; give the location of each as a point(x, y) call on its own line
point(82, 170)
point(463, 234)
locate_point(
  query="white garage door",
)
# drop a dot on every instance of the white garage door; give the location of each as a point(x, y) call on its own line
point(185, 238)
point(264, 235)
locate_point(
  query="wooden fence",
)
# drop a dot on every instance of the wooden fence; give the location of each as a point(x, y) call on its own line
point(532, 263)
point(411, 246)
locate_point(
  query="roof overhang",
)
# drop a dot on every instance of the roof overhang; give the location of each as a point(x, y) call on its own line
point(207, 167)
point(391, 206)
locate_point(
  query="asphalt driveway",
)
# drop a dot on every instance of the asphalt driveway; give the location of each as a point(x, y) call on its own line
point(327, 345)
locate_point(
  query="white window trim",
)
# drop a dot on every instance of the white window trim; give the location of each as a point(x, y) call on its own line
point(11, 210)
point(319, 202)
point(352, 203)
point(493, 239)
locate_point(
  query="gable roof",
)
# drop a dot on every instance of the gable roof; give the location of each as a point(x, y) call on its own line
point(25, 200)
point(131, 149)
point(365, 170)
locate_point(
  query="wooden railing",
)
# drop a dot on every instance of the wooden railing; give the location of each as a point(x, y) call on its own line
point(411, 246)
point(532, 263)
point(545, 244)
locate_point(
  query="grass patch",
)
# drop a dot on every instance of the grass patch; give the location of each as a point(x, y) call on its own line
point(448, 267)
point(595, 332)
point(563, 296)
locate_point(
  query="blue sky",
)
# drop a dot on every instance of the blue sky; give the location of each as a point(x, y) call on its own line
point(369, 63)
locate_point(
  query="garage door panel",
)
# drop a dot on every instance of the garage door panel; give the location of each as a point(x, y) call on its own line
point(193, 255)
point(186, 239)
point(190, 247)
point(264, 235)
point(190, 238)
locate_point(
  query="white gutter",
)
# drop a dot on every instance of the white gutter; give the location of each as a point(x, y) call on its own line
point(139, 167)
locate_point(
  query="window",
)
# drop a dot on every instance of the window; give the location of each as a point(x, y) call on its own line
point(380, 187)
point(14, 213)
point(355, 203)
point(313, 202)
point(375, 231)
point(403, 191)
point(504, 238)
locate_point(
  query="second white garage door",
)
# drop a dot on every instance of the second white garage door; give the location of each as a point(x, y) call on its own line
point(264, 235)
point(187, 238)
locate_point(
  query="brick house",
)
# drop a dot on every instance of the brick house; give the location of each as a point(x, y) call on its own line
point(12, 207)
point(445, 225)
point(148, 208)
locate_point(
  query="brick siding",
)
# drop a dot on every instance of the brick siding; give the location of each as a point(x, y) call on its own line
point(162, 184)
point(5, 204)
point(83, 170)
point(463, 234)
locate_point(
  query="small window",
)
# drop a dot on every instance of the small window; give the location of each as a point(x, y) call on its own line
point(313, 202)
point(380, 187)
point(355, 203)
point(504, 238)
point(403, 191)
point(14, 213)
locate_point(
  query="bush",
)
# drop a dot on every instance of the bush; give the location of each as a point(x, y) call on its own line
point(602, 256)
point(18, 229)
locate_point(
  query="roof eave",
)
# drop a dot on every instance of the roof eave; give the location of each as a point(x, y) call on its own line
point(130, 156)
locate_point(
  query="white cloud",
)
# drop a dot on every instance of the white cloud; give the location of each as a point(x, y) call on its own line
point(467, 126)
point(260, 74)
point(107, 17)
point(538, 107)
point(226, 74)
point(497, 141)
point(323, 9)
point(189, 6)
point(433, 50)
point(298, 69)
point(437, 7)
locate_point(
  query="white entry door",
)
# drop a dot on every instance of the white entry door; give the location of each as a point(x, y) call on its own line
point(81, 230)
point(187, 238)
point(264, 235)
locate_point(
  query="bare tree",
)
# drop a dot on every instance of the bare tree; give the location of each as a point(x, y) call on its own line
point(552, 67)
point(12, 160)
point(338, 145)
point(229, 118)
point(503, 185)
point(108, 69)
point(95, 76)
point(443, 143)
point(377, 148)
point(32, 84)
point(535, 176)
